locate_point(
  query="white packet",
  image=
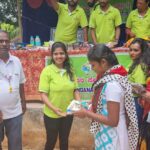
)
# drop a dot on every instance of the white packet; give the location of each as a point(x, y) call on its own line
point(73, 106)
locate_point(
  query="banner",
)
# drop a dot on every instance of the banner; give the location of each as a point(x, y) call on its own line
point(85, 75)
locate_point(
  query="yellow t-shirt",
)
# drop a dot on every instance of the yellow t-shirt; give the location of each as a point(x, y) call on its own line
point(104, 23)
point(68, 23)
point(137, 75)
point(139, 25)
point(60, 89)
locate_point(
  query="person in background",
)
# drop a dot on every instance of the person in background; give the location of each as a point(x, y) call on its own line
point(105, 24)
point(112, 101)
point(58, 87)
point(93, 4)
point(12, 97)
point(138, 24)
point(144, 137)
point(144, 93)
point(138, 70)
point(70, 17)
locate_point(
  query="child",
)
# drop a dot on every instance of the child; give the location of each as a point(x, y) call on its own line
point(112, 101)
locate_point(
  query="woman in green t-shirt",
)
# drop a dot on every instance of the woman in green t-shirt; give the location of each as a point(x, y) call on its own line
point(58, 87)
point(138, 70)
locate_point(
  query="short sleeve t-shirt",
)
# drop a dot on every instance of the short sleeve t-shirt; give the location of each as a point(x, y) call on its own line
point(58, 86)
point(68, 23)
point(137, 76)
point(139, 25)
point(11, 75)
point(104, 24)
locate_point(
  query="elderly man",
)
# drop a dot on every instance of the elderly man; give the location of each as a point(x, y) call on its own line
point(138, 22)
point(105, 24)
point(12, 98)
point(70, 17)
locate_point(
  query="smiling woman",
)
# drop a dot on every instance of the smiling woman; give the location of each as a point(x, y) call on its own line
point(58, 87)
point(138, 70)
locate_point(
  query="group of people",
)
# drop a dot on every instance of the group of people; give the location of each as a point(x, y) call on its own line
point(104, 21)
point(120, 111)
point(118, 121)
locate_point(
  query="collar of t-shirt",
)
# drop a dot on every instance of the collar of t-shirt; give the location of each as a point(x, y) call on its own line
point(62, 72)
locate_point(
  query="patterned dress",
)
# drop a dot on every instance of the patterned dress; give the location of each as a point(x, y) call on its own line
point(112, 138)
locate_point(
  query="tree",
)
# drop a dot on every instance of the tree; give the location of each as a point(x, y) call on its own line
point(10, 17)
point(8, 11)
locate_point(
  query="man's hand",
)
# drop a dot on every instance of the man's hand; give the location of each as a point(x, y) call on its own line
point(23, 103)
point(1, 117)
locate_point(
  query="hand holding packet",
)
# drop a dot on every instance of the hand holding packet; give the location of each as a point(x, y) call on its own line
point(76, 106)
point(138, 89)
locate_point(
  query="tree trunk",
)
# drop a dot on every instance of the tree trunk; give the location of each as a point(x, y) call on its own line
point(19, 19)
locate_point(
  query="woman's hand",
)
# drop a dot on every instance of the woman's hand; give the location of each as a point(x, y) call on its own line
point(82, 113)
point(59, 112)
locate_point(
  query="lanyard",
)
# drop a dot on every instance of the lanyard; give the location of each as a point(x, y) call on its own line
point(8, 77)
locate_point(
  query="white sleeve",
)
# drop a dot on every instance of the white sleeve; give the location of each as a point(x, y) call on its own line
point(114, 92)
point(22, 75)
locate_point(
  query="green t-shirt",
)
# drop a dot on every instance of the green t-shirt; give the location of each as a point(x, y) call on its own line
point(68, 23)
point(139, 25)
point(56, 83)
point(137, 75)
point(104, 23)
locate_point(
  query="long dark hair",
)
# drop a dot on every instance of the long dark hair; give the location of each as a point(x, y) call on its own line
point(99, 51)
point(67, 65)
point(144, 58)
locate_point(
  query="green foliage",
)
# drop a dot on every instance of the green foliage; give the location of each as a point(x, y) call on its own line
point(13, 32)
point(7, 27)
point(8, 11)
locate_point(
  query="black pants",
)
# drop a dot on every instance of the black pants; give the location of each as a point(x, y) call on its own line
point(55, 127)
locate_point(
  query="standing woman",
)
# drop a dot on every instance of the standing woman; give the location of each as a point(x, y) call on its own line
point(58, 87)
point(112, 101)
point(138, 70)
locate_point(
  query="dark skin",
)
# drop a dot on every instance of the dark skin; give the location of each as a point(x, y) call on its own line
point(142, 7)
point(91, 3)
point(104, 5)
point(72, 4)
point(113, 116)
point(4, 55)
